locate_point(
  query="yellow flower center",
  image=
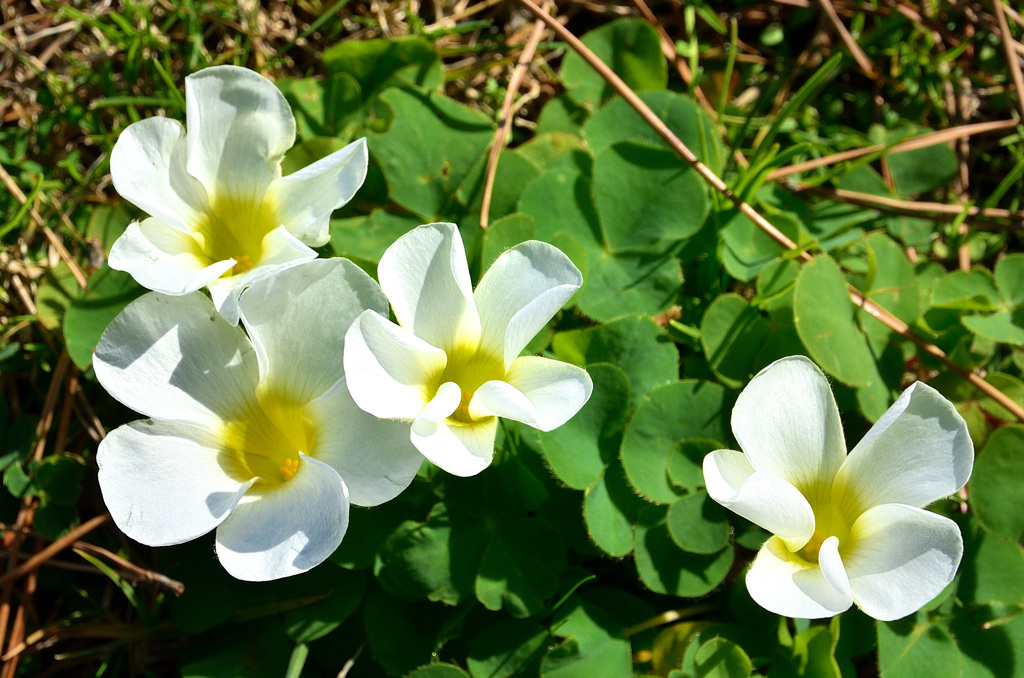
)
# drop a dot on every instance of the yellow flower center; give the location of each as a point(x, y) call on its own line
point(266, 440)
point(835, 511)
point(470, 368)
point(234, 228)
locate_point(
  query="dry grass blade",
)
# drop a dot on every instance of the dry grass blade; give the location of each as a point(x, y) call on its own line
point(505, 126)
point(858, 54)
point(884, 316)
point(922, 141)
point(1011, 57)
point(53, 549)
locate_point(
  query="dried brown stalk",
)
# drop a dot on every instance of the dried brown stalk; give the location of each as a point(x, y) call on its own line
point(1011, 58)
point(665, 133)
point(922, 141)
point(844, 34)
point(501, 136)
point(53, 549)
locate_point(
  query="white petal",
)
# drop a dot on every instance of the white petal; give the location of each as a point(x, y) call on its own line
point(459, 449)
point(162, 482)
point(175, 358)
point(425, 276)
point(441, 406)
point(783, 584)
point(374, 456)
point(163, 259)
point(831, 564)
point(388, 368)
point(288, 529)
point(917, 452)
point(761, 498)
point(787, 423)
point(538, 392)
point(239, 128)
point(306, 198)
point(900, 558)
point(281, 249)
point(297, 318)
point(520, 293)
point(147, 166)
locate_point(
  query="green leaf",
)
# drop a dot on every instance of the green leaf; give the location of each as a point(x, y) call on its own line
point(378, 64)
point(746, 249)
point(733, 334)
point(992, 569)
point(57, 289)
point(646, 197)
point(618, 121)
point(973, 290)
point(1009, 276)
point(438, 671)
point(579, 449)
point(698, 524)
point(507, 649)
point(404, 636)
point(665, 568)
point(307, 152)
point(503, 235)
point(685, 468)
point(431, 146)
point(435, 560)
point(514, 173)
point(1002, 326)
point(634, 344)
point(812, 656)
point(314, 621)
point(892, 282)
point(671, 413)
point(824, 317)
point(108, 292)
point(996, 495)
point(364, 239)
point(560, 201)
point(333, 107)
point(915, 648)
point(594, 646)
point(622, 284)
point(991, 644)
point(107, 223)
point(610, 509)
point(630, 47)
point(556, 150)
point(721, 658)
point(520, 567)
point(922, 169)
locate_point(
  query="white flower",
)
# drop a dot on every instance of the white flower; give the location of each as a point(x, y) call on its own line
point(220, 211)
point(451, 366)
point(848, 529)
point(255, 436)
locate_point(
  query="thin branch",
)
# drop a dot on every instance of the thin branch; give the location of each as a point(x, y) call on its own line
point(1011, 57)
point(501, 136)
point(858, 54)
point(53, 549)
point(922, 141)
point(665, 133)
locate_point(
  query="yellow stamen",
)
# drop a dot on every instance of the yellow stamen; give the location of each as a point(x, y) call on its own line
point(289, 468)
point(265, 441)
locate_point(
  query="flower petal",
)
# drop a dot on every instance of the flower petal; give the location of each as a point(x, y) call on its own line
point(460, 449)
point(147, 166)
point(163, 483)
point(539, 392)
point(787, 423)
point(831, 564)
point(291, 528)
point(441, 406)
point(900, 558)
point(280, 249)
point(388, 368)
point(297, 318)
point(239, 128)
point(425, 276)
point(305, 199)
point(781, 583)
point(175, 358)
point(917, 452)
point(374, 456)
point(163, 259)
point(520, 293)
point(761, 498)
